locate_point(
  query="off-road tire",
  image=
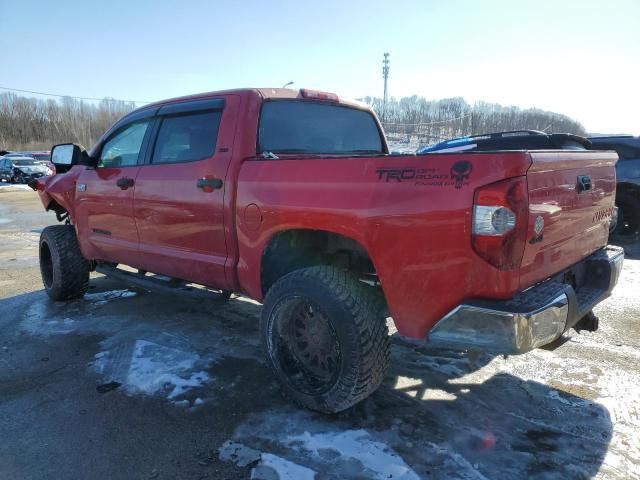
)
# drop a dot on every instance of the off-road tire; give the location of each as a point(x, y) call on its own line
point(356, 313)
point(65, 272)
point(629, 217)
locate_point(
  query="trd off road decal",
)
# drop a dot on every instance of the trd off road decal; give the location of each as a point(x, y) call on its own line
point(458, 175)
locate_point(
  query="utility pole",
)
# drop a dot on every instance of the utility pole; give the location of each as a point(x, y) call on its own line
point(385, 75)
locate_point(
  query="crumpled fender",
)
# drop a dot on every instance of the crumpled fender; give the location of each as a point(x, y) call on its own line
point(58, 191)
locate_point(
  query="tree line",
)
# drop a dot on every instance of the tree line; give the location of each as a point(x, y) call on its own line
point(33, 123)
point(419, 121)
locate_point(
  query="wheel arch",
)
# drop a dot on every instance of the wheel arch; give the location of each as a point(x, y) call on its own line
point(294, 248)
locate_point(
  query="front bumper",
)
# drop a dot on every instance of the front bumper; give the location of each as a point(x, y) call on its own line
point(28, 177)
point(535, 317)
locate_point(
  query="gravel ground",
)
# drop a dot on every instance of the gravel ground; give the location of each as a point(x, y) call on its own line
point(127, 383)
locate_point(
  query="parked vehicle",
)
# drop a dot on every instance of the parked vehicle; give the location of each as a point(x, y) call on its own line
point(18, 155)
point(628, 180)
point(20, 169)
point(512, 140)
point(293, 199)
point(42, 156)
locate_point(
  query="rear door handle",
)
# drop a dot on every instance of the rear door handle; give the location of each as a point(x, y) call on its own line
point(209, 184)
point(125, 183)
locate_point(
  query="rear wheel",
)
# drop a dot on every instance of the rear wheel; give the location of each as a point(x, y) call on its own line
point(628, 214)
point(325, 337)
point(65, 272)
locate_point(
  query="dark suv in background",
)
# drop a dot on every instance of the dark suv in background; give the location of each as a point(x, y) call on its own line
point(628, 177)
point(627, 168)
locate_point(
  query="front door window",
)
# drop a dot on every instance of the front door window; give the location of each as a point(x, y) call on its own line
point(123, 148)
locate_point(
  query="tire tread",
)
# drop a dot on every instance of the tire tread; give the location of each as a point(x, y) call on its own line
point(370, 359)
point(71, 269)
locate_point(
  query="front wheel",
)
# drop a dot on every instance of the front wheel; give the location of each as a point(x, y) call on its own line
point(325, 337)
point(65, 272)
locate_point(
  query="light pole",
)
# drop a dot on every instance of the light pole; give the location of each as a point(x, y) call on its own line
point(385, 75)
point(287, 84)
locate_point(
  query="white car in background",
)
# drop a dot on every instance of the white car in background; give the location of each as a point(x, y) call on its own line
point(15, 168)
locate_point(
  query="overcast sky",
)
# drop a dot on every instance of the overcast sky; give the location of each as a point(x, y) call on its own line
point(580, 58)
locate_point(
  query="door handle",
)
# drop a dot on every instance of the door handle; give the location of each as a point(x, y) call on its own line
point(125, 183)
point(584, 183)
point(209, 184)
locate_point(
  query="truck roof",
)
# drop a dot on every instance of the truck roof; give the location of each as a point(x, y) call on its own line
point(264, 94)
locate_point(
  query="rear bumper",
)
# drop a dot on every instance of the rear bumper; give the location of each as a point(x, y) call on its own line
point(535, 317)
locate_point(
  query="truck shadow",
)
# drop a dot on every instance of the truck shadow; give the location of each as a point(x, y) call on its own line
point(489, 415)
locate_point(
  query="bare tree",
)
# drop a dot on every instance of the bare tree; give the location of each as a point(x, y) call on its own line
point(32, 124)
point(418, 121)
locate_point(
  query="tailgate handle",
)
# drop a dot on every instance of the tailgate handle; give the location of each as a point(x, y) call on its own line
point(584, 183)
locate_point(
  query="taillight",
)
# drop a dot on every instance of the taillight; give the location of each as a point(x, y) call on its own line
point(499, 223)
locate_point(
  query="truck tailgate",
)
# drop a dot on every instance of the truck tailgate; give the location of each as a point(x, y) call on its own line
point(571, 200)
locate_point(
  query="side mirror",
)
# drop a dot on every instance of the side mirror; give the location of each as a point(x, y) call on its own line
point(65, 155)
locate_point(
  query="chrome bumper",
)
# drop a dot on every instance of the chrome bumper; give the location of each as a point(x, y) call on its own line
point(535, 317)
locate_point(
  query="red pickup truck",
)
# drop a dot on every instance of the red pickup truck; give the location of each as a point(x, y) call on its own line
point(292, 199)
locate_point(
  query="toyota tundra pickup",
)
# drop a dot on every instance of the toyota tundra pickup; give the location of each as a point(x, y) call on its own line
point(292, 198)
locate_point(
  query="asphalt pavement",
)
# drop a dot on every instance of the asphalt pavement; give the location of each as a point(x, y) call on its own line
point(127, 383)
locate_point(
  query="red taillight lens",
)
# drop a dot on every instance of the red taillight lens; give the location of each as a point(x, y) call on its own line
point(499, 223)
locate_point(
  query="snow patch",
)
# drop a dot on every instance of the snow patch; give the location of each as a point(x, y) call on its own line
point(15, 186)
point(272, 467)
point(38, 320)
point(154, 368)
point(100, 298)
point(238, 453)
point(378, 459)
point(465, 467)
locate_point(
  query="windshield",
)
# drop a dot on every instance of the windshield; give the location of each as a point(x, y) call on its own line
point(25, 163)
point(307, 127)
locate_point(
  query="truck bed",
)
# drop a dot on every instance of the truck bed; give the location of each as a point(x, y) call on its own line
point(412, 214)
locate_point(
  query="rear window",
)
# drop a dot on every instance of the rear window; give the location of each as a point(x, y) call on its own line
point(306, 127)
point(24, 163)
point(186, 138)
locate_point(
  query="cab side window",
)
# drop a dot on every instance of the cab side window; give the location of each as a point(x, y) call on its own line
point(123, 148)
point(186, 138)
